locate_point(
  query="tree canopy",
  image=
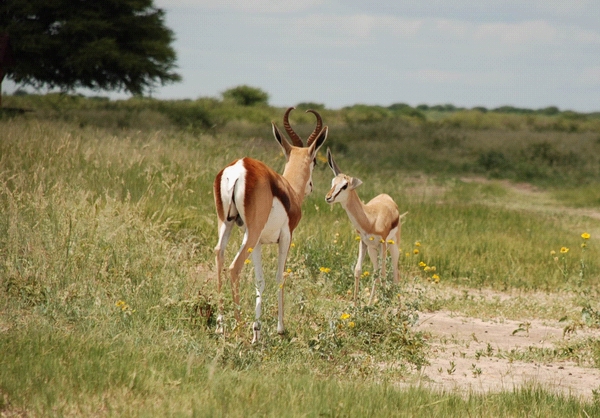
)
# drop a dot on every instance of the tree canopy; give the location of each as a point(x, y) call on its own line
point(102, 45)
point(246, 95)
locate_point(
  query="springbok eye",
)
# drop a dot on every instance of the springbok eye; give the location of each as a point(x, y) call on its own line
point(344, 187)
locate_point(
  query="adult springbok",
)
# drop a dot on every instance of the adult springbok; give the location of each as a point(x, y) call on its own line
point(267, 206)
point(378, 223)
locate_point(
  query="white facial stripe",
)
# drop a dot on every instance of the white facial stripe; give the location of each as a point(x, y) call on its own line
point(337, 186)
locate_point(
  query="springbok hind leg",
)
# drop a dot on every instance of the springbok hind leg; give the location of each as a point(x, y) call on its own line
point(224, 234)
point(235, 269)
point(395, 253)
point(260, 288)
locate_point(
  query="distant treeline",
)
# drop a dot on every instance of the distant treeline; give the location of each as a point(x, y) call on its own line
point(547, 146)
point(245, 111)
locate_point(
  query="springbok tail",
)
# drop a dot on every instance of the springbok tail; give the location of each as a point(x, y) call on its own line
point(228, 188)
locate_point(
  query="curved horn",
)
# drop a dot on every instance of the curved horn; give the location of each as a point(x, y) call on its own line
point(317, 130)
point(293, 135)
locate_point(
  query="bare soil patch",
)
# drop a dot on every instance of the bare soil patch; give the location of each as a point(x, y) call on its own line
point(469, 355)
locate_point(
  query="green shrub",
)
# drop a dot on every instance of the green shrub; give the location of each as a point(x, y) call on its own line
point(246, 95)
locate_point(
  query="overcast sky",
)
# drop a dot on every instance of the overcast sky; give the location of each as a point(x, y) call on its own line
point(525, 53)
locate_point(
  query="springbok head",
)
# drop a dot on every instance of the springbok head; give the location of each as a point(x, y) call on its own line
point(341, 183)
point(298, 155)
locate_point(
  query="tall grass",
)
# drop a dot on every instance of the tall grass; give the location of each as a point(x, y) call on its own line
point(106, 284)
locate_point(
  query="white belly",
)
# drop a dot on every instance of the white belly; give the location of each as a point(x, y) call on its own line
point(278, 219)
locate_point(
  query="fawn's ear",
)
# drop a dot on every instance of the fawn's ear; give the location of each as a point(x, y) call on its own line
point(334, 167)
point(355, 183)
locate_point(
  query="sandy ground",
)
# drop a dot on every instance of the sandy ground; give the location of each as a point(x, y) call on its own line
point(470, 355)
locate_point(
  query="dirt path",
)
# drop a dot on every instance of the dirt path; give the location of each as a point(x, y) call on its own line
point(470, 355)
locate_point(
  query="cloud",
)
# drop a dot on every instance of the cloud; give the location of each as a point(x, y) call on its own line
point(248, 6)
point(590, 76)
point(517, 33)
point(453, 28)
point(430, 75)
point(351, 30)
point(587, 36)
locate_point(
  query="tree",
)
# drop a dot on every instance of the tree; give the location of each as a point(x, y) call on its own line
point(246, 95)
point(6, 59)
point(101, 45)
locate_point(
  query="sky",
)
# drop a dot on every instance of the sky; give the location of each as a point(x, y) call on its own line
point(525, 53)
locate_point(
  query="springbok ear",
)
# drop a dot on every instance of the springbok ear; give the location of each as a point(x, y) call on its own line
point(355, 183)
point(287, 148)
point(336, 170)
point(314, 147)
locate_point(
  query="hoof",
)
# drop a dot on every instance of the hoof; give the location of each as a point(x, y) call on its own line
point(219, 329)
point(256, 332)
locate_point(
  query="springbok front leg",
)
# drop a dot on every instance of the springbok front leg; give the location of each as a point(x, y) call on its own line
point(285, 239)
point(362, 250)
point(373, 255)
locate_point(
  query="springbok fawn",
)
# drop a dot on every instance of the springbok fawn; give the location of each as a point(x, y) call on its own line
point(378, 223)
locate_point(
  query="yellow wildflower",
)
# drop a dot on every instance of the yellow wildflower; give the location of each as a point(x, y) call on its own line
point(382, 240)
point(585, 235)
point(552, 252)
point(436, 278)
point(427, 268)
point(292, 245)
point(564, 250)
point(391, 241)
point(344, 316)
point(324, 269)
point(247, 261)
point(371, 238)
point(422, 264)
point(357, 238)
point(416, 251)
point(351, 324)
point(365, 274)
point(417, 244)
point(250, 249)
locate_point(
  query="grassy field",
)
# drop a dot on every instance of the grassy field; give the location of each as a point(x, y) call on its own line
point(107, 227)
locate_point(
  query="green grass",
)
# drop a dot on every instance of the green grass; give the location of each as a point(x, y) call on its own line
point(106, 237)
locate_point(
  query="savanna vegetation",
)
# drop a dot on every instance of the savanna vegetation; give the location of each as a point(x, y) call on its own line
point(107, 227)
